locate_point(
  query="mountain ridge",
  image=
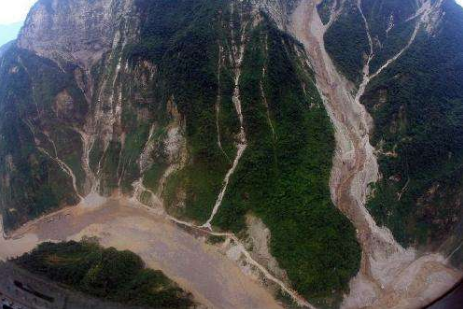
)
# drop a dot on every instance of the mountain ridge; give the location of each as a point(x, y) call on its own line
point(214, 112)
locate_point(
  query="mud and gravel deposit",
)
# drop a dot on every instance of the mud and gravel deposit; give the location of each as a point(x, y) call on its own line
point(390, 276)
point(202, 269)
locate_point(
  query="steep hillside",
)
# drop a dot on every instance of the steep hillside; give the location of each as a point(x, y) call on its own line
point(414, 96)
point(5, 47)
point(204, 109)
point(55, 103)
point(241, 101)
point(417, 106)
point(317, 143)
point(359, 186)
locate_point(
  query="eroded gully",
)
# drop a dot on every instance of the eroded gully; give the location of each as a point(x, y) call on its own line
point(242, 144)
point(155, 203)
point(384, 262)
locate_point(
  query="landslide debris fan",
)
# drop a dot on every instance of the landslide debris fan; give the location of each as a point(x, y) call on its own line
point(210, 110)
point(158, 100)
point(416, 104)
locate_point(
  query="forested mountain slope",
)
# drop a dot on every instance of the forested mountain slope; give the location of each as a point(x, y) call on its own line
point(391, 55)
point(415, 103)
point(324, 135)
point(204, 108)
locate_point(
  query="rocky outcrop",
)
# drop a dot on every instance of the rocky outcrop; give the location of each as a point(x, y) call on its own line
point(74, 102)
point(78, 32)
point(118, 98)
point(210, 111)
point(391, 276)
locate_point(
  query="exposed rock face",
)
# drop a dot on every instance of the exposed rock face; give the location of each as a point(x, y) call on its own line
point(79, 31)
point(211, 110)
point(259, 239)
point(153, 100)
point(391, 276)
point(76, 98)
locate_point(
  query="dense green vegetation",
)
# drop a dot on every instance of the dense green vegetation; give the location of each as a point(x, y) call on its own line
point(283, 177)
point(346, 42)
point(417, 105)
point(378, 14)
point(389, 26)
point(109, 274)
point(325, 7)
point(32, 183)
point(182, 38)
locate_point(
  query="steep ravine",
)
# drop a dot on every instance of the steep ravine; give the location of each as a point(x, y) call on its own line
point(241, 145)
point(390, 276)
point(101, 82)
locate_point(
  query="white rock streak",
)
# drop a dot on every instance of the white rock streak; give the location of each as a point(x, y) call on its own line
point(144, 163)
point(242, 250)
point(238, 55)
point(107, 113)
point(355, 167)
point(55, 157)
point(424, 14)
point(219, 101)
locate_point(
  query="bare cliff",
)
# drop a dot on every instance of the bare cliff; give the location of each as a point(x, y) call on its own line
point(293, 129)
